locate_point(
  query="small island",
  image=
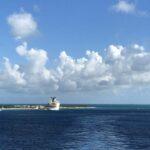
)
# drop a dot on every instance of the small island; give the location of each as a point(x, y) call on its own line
point(41, 106)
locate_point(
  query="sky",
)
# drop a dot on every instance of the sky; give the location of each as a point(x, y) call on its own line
point(89, 51)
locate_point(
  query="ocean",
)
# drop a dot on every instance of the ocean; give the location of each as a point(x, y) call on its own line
point(97, 127)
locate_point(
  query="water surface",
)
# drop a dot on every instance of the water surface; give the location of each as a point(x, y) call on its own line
point(106, 127)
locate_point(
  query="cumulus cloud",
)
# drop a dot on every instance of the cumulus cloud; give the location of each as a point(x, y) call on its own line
point(22, 24)
point(128, 7)
point(37, 75)
point(138, 47)
point(11, 77)
point(114, 52)
point(84, 73)
point(124, 6)
point(121, 67)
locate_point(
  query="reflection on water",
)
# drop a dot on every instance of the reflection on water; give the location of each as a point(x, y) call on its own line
point(84, 129)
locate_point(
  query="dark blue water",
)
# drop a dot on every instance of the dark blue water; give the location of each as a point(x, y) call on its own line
point(104, 128)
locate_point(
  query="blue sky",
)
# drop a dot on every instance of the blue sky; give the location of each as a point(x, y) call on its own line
point(116, 33)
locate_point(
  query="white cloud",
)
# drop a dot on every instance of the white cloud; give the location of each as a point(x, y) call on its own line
point(124, 6)
point(37, 75)
point(128, 7)
point(138, 47)
point(121, 67)
point(85, 73)
point(11, 77)
point(114, 52)
point(12, 72)
point(22, 24)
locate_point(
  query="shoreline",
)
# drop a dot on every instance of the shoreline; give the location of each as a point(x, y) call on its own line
point(42, 107)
